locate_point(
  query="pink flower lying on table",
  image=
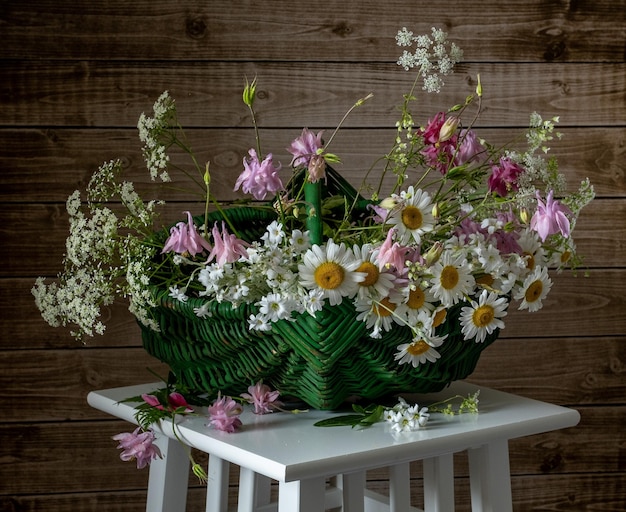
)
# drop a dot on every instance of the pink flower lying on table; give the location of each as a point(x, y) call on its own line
point(139, 446)
point(262, 397)
point(175, 401)
point(224, 414)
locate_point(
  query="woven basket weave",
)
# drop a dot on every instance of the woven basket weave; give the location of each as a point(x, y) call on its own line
point(321, 360)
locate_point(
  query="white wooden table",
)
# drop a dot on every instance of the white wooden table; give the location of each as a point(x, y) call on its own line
point(322, 468)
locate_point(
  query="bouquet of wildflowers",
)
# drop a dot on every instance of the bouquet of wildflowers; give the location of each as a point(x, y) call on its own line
point(467, 223)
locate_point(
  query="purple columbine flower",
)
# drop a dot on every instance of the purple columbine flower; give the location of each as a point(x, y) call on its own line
point(259, 178)
point(550, 217)
point(185, 239)
point(306, 153)
point(139, 446)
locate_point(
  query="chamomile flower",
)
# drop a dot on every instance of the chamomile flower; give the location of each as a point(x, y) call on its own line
point(451, 279)
point(378, 315)
point(484, 316)
point(331, 269)
point(414, 215)
point(535, 288)
point(377, 282)
point(532, 249)
point(419, 351)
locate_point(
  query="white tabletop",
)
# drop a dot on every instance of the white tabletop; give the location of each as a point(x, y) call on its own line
point(287, 447)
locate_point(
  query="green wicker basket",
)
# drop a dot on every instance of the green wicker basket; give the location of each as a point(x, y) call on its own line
point(321, 360)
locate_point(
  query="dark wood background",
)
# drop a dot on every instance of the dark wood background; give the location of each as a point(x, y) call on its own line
point(75, 77)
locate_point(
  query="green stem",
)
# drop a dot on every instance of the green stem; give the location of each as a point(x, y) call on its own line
point(313, 199)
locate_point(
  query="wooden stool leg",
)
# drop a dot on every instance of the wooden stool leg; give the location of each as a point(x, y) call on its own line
point(490, 477)
point(169, 478)
point(217, 485)
point(353, 488)
point(439, 484)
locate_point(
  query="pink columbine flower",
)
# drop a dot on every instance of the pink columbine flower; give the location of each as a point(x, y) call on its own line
point(138, 446)
point(504, 176)
point(550, 217)
point(185, 239)
point(440, 142)
point(224, 414)
point(259, 178)
point(392, 254)
point(227, 248)
point(469, 147)
point(305, 150)
point(262, 397)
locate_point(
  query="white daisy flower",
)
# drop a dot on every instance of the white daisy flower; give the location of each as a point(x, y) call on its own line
point(452, 279)
point(414, 215)
point(532, 249)
point(378, 315)
point(274, 307)
point(535, 288)
point(299, 241)
point(483, 317)
point(417, 303)
point(331, 269)
point(377, 283)
point(419, 351)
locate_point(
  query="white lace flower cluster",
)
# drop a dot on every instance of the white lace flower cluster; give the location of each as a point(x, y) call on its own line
point(433, 56)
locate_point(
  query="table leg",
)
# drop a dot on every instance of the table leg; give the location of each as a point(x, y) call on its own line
point(490, 477)
point(217, 485)
point(254, 490)
point(169, 478)
point(353, 486)
point(302, 495)
point(439, 483)
point(399, 487)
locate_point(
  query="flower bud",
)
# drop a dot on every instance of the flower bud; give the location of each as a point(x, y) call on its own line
point(448, 128)
point(435, 210)
point(479, 87)
point(433, 254)
point(207, 175)
point(524, 215)
point(249, 92)
point(389, 203)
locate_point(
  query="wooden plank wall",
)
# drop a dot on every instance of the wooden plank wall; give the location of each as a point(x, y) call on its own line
point(75, 77)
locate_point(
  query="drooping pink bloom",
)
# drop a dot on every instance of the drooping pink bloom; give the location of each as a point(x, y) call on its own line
point(433, 128)
point(303, 148)
point(138, 446)
point(469, 147)
point(224, 414)
point(262, 397)
point(550, 217)
point(175, 401)
point(184, 238)
point(392, 254)
point(227, 248)
point(504, 176)
point(259, 178)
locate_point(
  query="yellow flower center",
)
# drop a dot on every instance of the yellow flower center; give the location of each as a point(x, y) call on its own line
point(412, 217)
point(417, 298)
point(483, 316)
point(329, 275)
point(530, 260)
point(418, 347)
point(485, 280)
point(372, 273)
point(449, 277)
point(533, 292)
point(440, 317)
point(385, 308)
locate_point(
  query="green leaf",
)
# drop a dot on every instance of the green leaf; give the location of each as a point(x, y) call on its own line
point(340, 421)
